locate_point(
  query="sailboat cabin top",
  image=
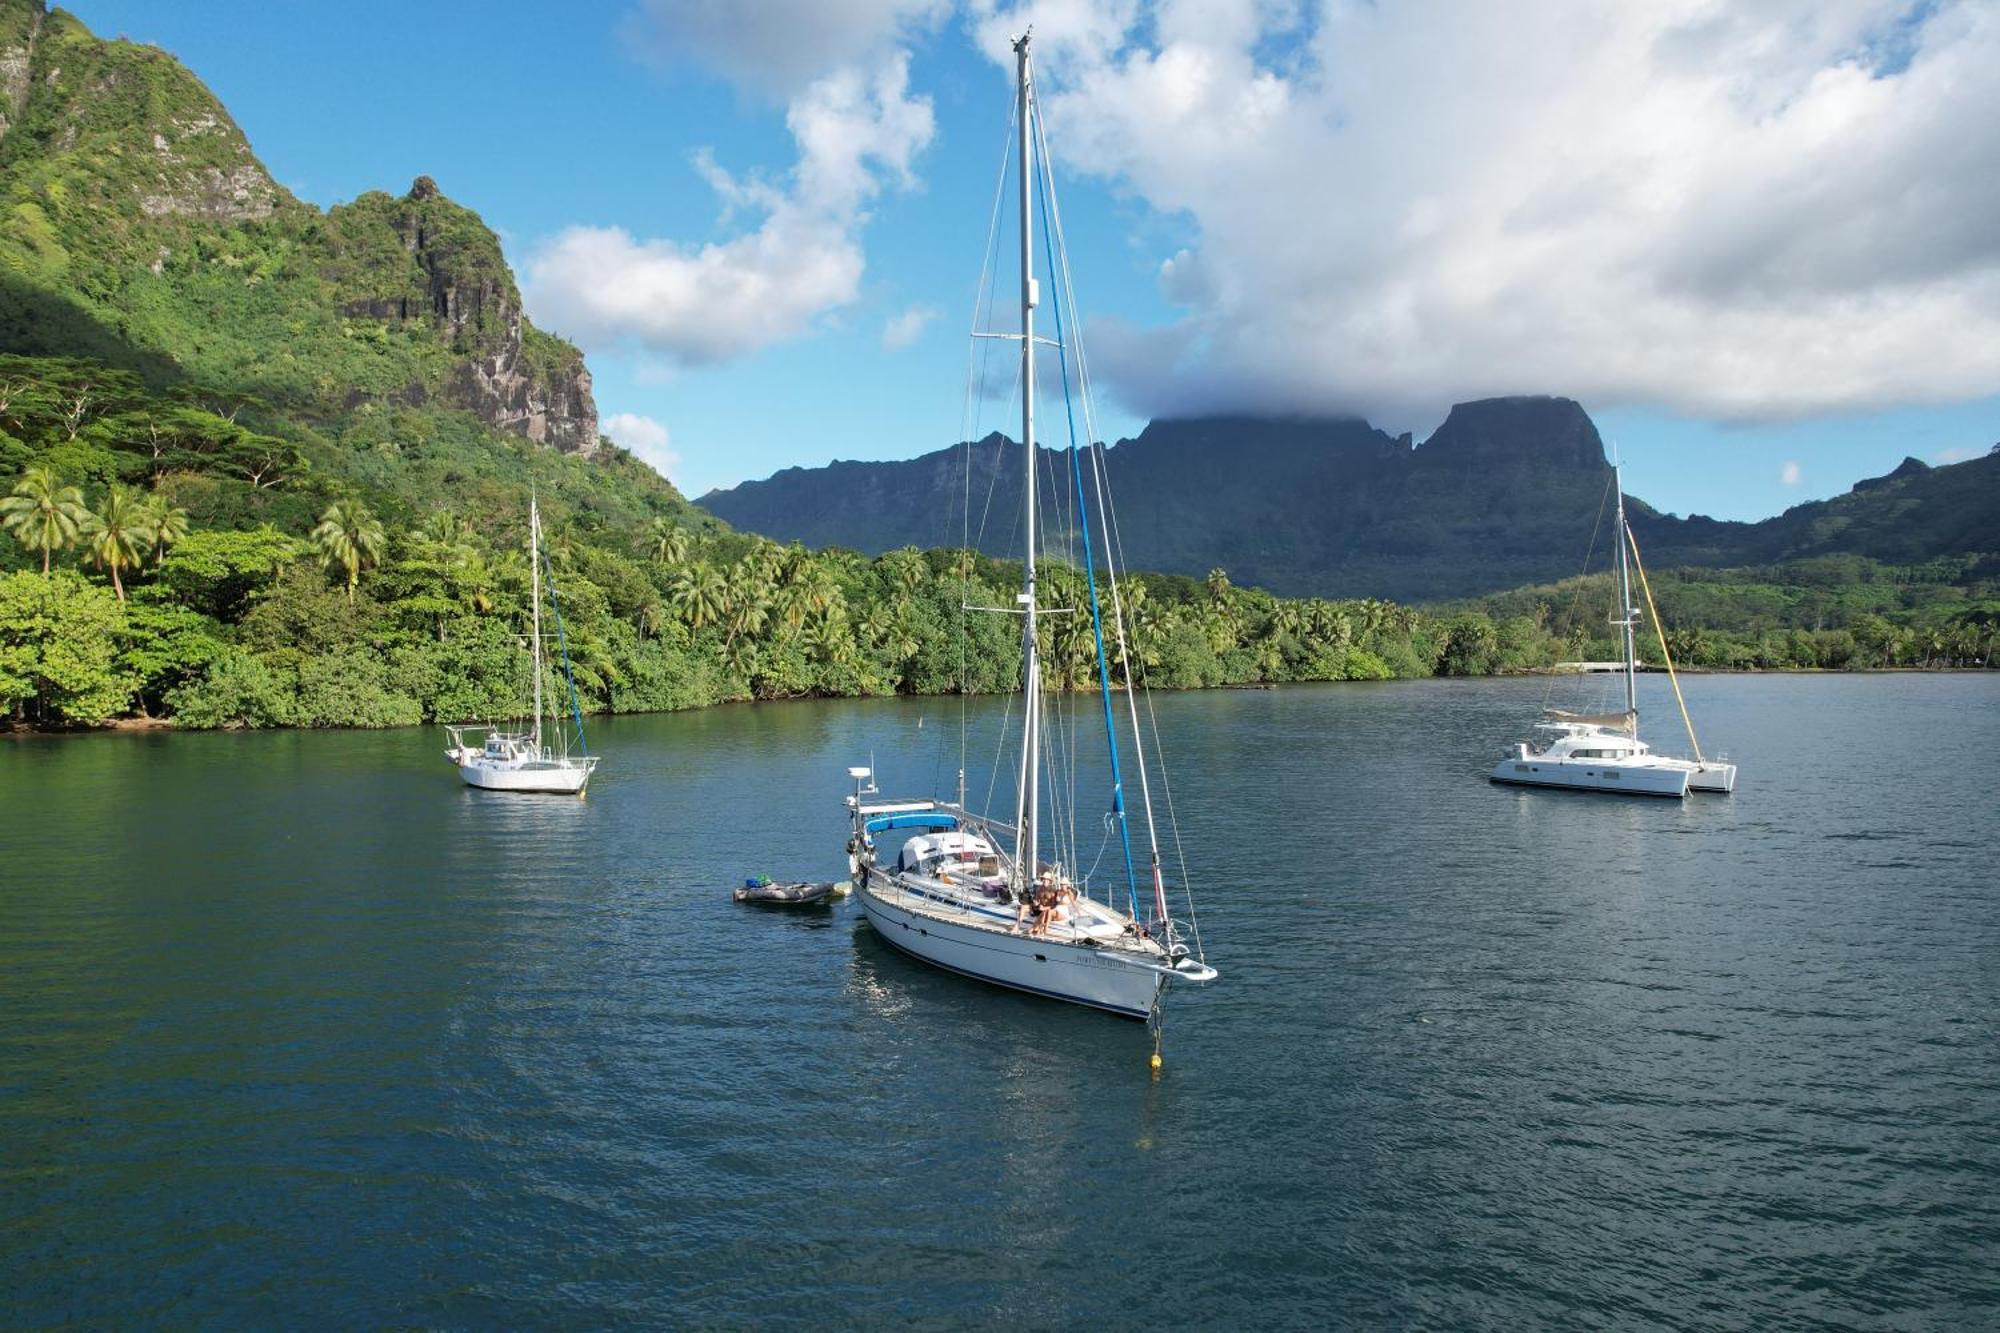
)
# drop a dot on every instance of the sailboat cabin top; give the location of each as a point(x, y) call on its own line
point(956, 851)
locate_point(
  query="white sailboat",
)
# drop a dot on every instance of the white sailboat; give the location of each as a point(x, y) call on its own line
point(1602, 751)
point(974, 895)
point(520, 761)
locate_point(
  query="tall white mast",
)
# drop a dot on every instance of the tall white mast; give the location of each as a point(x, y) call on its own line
point(1628, 614)
point(535, 562)
point(1027, 848)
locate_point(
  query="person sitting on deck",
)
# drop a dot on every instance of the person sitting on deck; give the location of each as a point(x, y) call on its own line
point(1065, 906)
point(1048, 906)
point(1025, 913)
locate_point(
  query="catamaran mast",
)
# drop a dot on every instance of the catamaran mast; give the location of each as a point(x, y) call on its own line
point(1027, 848)
point(1628, 614)
point(535, 562)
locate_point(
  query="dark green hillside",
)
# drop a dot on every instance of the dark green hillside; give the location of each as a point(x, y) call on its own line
point(1914, 514)
point(1505, 492)
point(1502, 493)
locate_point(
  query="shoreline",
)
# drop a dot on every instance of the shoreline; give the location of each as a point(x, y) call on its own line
point(143, 726)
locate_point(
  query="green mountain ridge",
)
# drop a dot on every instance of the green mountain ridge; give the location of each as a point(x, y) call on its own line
point(1505, 492)
point(138, 228)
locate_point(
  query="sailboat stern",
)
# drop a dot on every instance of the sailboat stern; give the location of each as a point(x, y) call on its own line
point(1718, 779)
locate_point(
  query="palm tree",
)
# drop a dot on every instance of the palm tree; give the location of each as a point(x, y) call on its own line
point(450, 532)
point(43, 512)
point(351, 537)
point(117, 535)
point(650, 618)
point(747, 600)
point(791, 606)
point(904, 570)
point(793, 563)
point(877, 624)
point(667, 542)
point(169, 523)
point(699, 594)
point(828, 637)
point(763, 561)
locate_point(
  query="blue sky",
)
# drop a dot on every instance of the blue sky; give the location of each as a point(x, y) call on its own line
point(1682, 225)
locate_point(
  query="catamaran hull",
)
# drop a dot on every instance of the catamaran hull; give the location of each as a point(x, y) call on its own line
point(1077, 974)
point(553, 780)
point(1717, 778)
point(1617, 780)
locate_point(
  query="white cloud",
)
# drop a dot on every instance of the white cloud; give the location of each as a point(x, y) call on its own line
point(856, 130)
point(1745, 213)
point(906, 328)
point(645, 437)
point(1790, 474)
point(1955, 455)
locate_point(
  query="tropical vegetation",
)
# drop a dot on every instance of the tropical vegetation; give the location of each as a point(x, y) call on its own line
point(380, 579)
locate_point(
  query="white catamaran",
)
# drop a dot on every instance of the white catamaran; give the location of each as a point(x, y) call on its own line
point(1602, 751)
point(973, 894)
point(500, 760)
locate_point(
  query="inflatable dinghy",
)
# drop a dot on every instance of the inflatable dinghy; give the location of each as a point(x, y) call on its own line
point(761, 890)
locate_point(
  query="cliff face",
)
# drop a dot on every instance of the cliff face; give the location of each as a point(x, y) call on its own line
point(138, 227)
point(1515, 432)
point(425, 263)
point(20, 26)
point(124, 125)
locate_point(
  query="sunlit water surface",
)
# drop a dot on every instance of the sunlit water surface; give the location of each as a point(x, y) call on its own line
point(295, 1028)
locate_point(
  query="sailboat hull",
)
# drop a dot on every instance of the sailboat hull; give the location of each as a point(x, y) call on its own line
point(1076, 974)
point(548, 777)
point(1572, 775)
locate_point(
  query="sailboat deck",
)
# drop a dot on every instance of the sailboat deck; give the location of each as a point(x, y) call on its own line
point(965, 903)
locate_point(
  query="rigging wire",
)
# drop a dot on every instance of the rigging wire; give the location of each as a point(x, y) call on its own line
point(1117, 811)
point(1576, 596)
point(1114, 559)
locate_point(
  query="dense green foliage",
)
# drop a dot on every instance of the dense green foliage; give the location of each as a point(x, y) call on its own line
point(380, 578)
point(1834, 612)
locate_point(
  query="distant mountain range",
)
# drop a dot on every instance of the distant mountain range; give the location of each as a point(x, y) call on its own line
point(1505, 492)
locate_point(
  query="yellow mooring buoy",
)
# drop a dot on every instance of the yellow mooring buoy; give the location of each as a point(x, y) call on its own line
point(1154, 1062)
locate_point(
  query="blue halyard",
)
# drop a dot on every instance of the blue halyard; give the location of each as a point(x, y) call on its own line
point(1089, 563)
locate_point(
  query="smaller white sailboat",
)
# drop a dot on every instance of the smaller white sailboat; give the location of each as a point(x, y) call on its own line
point(500, 760)
point(1602, 751)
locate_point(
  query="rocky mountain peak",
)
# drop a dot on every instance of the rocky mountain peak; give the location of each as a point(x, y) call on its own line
point(1538, 430)
point(443, 270)
point(144, 231)
point(1909, 467)
point(131, 116)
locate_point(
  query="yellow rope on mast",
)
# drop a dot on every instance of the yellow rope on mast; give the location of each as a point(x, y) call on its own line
point(1666, 654)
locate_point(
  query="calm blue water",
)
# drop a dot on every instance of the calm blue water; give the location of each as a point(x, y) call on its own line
point(295, 1029)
